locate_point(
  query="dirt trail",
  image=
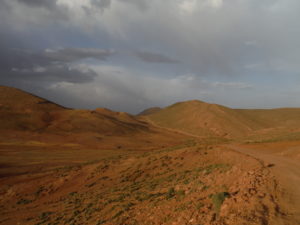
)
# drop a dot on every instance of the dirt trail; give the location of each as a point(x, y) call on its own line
point(287, 173)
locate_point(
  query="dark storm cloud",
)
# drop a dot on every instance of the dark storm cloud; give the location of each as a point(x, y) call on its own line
point(49, 4)
point(150, 57)
point(60, 10)
point(73, 54)
point(48, 66)
point(51, 74)
point(46, 76)
point(140, 4)
point(24, 59)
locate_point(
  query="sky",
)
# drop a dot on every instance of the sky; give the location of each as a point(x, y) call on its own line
point(128, 55)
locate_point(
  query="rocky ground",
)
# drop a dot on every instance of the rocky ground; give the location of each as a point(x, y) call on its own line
point(184, 184)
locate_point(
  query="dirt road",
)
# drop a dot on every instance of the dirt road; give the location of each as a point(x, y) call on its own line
point(286, 169)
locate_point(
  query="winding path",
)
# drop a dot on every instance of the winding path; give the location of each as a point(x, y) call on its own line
point(287, 173)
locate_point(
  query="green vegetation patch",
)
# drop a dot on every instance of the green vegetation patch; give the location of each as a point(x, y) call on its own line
point(171, 193)
point(211, 168)
point(218, 199)
point(24, 201)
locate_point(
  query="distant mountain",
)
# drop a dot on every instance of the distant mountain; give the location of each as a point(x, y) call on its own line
point(149, 111)
point(203, 119)
point(23, 111)
point(25, 118)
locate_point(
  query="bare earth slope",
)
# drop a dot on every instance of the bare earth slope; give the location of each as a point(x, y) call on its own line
point(186, 184)
point(282, 117)
point(25, 117)
point(203, 119)
point(284, 160)
point(22, 111)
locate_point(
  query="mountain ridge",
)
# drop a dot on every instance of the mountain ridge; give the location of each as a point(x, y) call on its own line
point(205, 119)
point(24, 111)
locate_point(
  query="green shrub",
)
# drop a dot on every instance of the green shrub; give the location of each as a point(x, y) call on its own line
point(171, 193)
point(181, 193)
point(24, 201)
point(218, 199)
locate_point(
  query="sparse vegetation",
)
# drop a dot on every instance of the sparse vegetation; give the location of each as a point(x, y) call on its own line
point(171, 193)
point(24, 201)
point(218, 199)
point(120, 170)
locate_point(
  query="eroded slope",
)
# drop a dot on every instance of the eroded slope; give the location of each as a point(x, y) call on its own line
point(191, 184)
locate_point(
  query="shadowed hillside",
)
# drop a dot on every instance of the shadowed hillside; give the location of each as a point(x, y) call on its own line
point(149, 111)
point(29, 117)
point(22, 111)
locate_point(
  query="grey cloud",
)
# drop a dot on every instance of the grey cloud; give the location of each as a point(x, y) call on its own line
point(24, 59)
point(15, 13)
point(49, 4)
point(101, 3)
point(21, 59)
point(73, 54)
point(51, 74)
point(124, 90)
point(97, 6)
point(47, 67)
point(81, 15)
point(39, 80)
point(150, 57)
point(61, 12)
point(141, 4)
point(232, 85)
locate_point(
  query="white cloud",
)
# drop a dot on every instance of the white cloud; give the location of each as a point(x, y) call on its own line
point(188, 6)
point(191, 6)
point(216, 3)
